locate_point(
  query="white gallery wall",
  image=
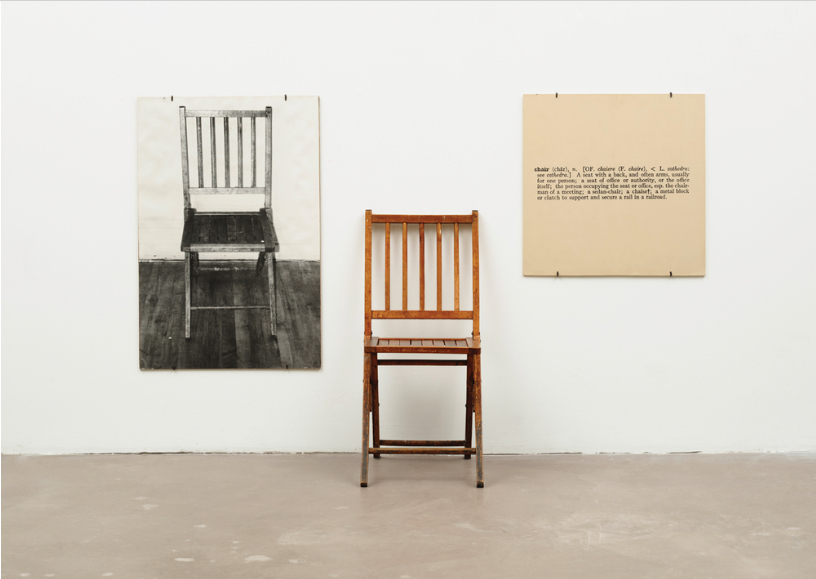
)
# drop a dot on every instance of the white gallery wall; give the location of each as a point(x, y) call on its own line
point(420, 112)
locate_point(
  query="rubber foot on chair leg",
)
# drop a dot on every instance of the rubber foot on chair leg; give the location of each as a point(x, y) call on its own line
point(364, 485)
point(479, 485)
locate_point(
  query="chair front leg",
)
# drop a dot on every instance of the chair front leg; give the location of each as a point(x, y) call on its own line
point(375, 401)
point(187, 294)
point(469, 406)
point(366, 411)
point(477, 407)
point(272, 273)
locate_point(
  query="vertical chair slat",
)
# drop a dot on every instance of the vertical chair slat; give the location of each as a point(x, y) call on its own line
point(185, 169)
point(439, 266)
point(404, 266)
point(421, 266)
point(240, 152)
point(226, 153)
point(252, 150)
point(200, 153)
point(212, 152)
point(456, 267)
point(268, 156)
point(387, 266)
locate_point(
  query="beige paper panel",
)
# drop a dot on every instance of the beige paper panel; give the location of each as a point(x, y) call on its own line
point(614, 185)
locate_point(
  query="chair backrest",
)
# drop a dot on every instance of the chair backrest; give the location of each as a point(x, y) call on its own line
point(224, 153)
point(438, 313)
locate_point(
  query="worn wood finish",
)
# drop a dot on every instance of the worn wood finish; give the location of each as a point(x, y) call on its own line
point(227, 190)
point(211, 232)
point(200, 113)
point(240, 136)
point(421, 266)
point(226, 337)
point(423, 443)
point(387, 266)
point(226, 153)
point(214, 174)
point(429, 450)
point(187, 300)
point(270, 274)
point(381, 218)
point(421, 346)
point(375, 401)
point(185, 170)
point(367, 284)
point(475, 249)
point(477, 411)
point(268, 159)
point(439, 266)
point(366, 413)
point(253, 152)
point(404, 266)
point(469, 405)
point(413, 362)
point(229, 307)
point(421, 315)
point(200, 152)
point(468, 347)
point(455, 267)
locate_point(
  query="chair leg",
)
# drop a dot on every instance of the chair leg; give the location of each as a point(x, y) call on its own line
point(272, 274)
point(260, 264)
point(469, 406)
point(187, 294)
point(477, 407)
point(366, 411)
point(375, 401)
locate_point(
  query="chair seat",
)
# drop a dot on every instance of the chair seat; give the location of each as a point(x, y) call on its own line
point(423, 346)
point(249, 231)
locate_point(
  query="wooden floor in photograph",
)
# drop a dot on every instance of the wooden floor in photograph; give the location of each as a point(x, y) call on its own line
point(229, 338)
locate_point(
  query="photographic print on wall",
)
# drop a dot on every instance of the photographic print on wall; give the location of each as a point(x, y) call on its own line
point(229, 232)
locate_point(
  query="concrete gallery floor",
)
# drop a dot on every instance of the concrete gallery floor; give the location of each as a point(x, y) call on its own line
point(255, 515)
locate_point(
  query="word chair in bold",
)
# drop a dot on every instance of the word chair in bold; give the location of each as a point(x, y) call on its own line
point(224, 231)
point(469, 347)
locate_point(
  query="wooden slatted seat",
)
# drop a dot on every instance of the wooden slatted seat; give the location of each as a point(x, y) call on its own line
point(225, 231)
point(470, 347)
point(421, 346)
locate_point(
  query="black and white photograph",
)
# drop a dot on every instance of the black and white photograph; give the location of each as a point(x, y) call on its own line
point(229, 232)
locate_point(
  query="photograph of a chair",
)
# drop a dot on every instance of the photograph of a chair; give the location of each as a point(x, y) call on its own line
point(470, 347)
point(227, 231)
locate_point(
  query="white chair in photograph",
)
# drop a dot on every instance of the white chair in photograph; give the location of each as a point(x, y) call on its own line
point(227, 231)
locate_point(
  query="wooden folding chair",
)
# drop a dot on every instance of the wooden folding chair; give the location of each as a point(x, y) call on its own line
point(469, 347)
point(228, 231)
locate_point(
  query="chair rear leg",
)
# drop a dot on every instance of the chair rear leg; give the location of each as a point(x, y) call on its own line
point(375, 401)
point(477, 407)
point(187, 294)
point(271, 267)
point(366, 411)
point(469, 406)
point(260, 264)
